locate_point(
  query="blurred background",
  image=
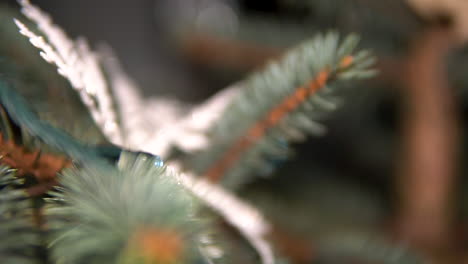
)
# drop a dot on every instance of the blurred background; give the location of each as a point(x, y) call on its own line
point(391, 167)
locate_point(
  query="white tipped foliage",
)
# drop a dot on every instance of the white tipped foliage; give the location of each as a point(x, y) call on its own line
point(76, 62)
point(244, 217)
point(155, 125)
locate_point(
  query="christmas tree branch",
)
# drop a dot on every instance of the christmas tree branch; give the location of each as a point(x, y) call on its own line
point(274, 116)
point(272, 110)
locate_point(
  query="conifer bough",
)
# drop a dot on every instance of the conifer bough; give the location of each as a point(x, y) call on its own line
point(278, 106)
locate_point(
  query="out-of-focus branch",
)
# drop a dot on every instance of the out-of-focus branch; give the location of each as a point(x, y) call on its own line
point(216, 51)
point(454, 10)
point(211, 50)
point(430, 141)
